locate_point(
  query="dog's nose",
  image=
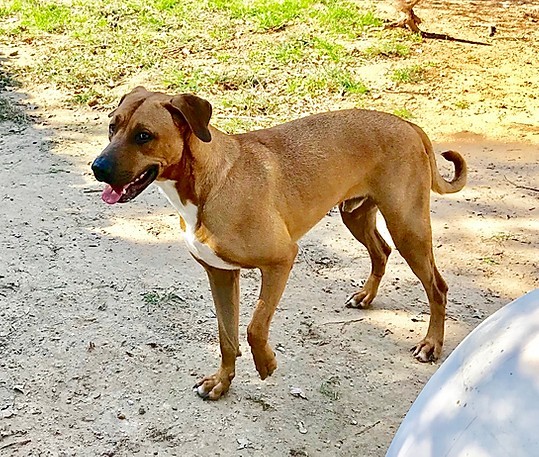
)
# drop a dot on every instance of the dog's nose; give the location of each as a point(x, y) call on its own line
point(102, 169)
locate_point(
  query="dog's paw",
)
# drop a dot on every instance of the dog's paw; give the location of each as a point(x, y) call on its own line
point(213, 387)
point(265, 361)
point(364, 296)
point(427, 350)
point(361, 299)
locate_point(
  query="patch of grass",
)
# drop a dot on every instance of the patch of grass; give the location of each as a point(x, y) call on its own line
point(11, 112)
point(239, 79)
point(309, 49)
point(250, 103)
point(10, 7)
point(50, 17)
point(330, 387)
point(502, 237)
point(224, 57)
point(333, 81)
point(462, 104)
point(265, 14)
point(85, 97)
point(275, 59)
point(389, 48)
point(408, 75)
point(489, 261)
point(403, 112)
point(329, 49)
point(160, 298)
point(197, 80)
point(346, 18)
point(291, 51)
point(265, 405)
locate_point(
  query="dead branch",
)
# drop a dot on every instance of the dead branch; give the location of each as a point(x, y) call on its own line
point(345, 322)
point(443, 36)
point(365, 429)
point(518, 186)
point(410, 20)
point(15, 443)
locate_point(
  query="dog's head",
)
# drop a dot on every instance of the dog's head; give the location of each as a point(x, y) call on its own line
point(147, 133)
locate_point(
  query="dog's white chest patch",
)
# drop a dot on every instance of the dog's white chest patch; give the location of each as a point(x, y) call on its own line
point(189, 214)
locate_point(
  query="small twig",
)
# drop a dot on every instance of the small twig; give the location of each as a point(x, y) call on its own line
point(443, 36)
point(345, 322)
point(398, 92)
point(15, 443)
point(518, 186)
point(91, 191)
point(367, 428)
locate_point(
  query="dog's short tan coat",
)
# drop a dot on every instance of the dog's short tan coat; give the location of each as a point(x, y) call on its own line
point(250, 197)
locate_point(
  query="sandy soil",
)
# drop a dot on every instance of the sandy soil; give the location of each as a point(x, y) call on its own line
point(106, 322)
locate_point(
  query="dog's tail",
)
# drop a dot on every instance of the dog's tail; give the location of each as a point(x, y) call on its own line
point(439, 184)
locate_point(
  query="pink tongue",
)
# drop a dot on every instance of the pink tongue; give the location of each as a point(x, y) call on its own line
point(111, 194)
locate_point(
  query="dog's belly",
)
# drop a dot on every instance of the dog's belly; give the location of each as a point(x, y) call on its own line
point(189, 214)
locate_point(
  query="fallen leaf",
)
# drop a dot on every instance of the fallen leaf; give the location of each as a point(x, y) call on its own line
point(298, 392)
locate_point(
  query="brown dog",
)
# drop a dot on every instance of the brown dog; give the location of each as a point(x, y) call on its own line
point(245, 200)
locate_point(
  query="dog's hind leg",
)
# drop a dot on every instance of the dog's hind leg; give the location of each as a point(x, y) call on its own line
point(274, 278)
point(225, 288)
point(359, 215)
point(410, 229)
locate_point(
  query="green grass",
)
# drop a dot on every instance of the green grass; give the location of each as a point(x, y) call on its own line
point(332, 81)
point(291, 52)
point(403, 112)
point(502, 237)
point(489, 261)
point(389, 48)
point(339, 17)
point(161, 298)
point(192, 80)
point(260, 58)
point(462, 104)
point(407, 75)
point(264, 14)
point(48, 18)
point(325, 48)
point(345, 18)
point(10, 7)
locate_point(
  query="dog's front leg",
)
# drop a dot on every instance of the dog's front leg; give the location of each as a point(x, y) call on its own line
point(274, 280)
point(225, 288)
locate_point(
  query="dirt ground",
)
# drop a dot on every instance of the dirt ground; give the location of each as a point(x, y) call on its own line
point(106, 322)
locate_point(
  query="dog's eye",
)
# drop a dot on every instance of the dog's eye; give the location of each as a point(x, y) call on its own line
point(142, 137)
point(112, 128)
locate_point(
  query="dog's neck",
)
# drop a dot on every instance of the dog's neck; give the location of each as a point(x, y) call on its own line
point(203, 167)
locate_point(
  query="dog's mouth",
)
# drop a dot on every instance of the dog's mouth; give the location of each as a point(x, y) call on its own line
point(123, 194)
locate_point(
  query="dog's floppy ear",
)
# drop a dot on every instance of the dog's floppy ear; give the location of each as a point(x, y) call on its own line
point(134, 91)
point(195, 110)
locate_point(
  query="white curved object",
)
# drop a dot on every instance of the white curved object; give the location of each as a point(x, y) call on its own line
point(484, 399)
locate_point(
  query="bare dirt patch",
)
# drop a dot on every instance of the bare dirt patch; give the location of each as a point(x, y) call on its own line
point(106, 322)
